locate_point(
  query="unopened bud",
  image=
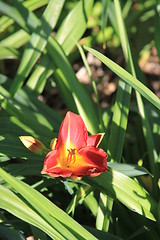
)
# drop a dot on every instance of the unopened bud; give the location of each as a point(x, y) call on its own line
point(34, 145)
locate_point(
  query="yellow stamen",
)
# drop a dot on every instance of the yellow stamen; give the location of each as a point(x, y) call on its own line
point(71, 158)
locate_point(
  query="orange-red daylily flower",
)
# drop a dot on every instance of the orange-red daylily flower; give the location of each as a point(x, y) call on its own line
point(75, 154)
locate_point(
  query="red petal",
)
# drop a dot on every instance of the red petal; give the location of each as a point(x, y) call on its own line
point(94, 140)
point(50, 161)
point(73, 132)
point(52, 166)
point(90, 161)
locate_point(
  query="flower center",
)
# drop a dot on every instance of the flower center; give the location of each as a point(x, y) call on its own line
point(71, 158)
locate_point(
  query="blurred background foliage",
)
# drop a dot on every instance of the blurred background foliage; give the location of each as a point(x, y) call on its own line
point(44, 72)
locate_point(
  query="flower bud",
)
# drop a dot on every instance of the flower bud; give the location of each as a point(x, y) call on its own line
point(34, 145)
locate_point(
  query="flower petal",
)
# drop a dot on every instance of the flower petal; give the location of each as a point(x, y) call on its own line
point(90, 161)
point(73, 132)
point(94, 140)
point(52, 166)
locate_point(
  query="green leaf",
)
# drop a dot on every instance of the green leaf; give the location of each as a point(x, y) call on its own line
point(37, 42)
point(49, 212)
point(35, 4)
point(72, 91)
point(119, 122)
point(130, 170)
point(127, 191)
point(8, 53)
point(68, 81)
point(20, 14)
point(104, 16)
point(12, 12)
point(146, 128)
point(10, 234)
point(68, 33)
point(40, 75)
point(74, 25)
point(5, 22)
point(16, 40)
point(157, 28)
point(104, 212)
point(13, 204)
point(31, 167)
point(102, 235)
point(12, 147)
point(127, 77)
point(30, 111)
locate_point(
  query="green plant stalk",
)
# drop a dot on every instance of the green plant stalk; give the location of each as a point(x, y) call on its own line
point(79, 197)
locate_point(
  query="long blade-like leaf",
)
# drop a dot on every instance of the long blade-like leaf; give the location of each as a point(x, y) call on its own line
point(13, 204)
point(68, 227)
point(37, 43)
point(126, 190)
point(127, 77)
point(146, 128)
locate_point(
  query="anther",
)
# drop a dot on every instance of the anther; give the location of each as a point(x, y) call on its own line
point(71, 156)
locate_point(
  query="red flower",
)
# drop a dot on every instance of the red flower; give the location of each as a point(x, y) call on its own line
point(75, 154)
